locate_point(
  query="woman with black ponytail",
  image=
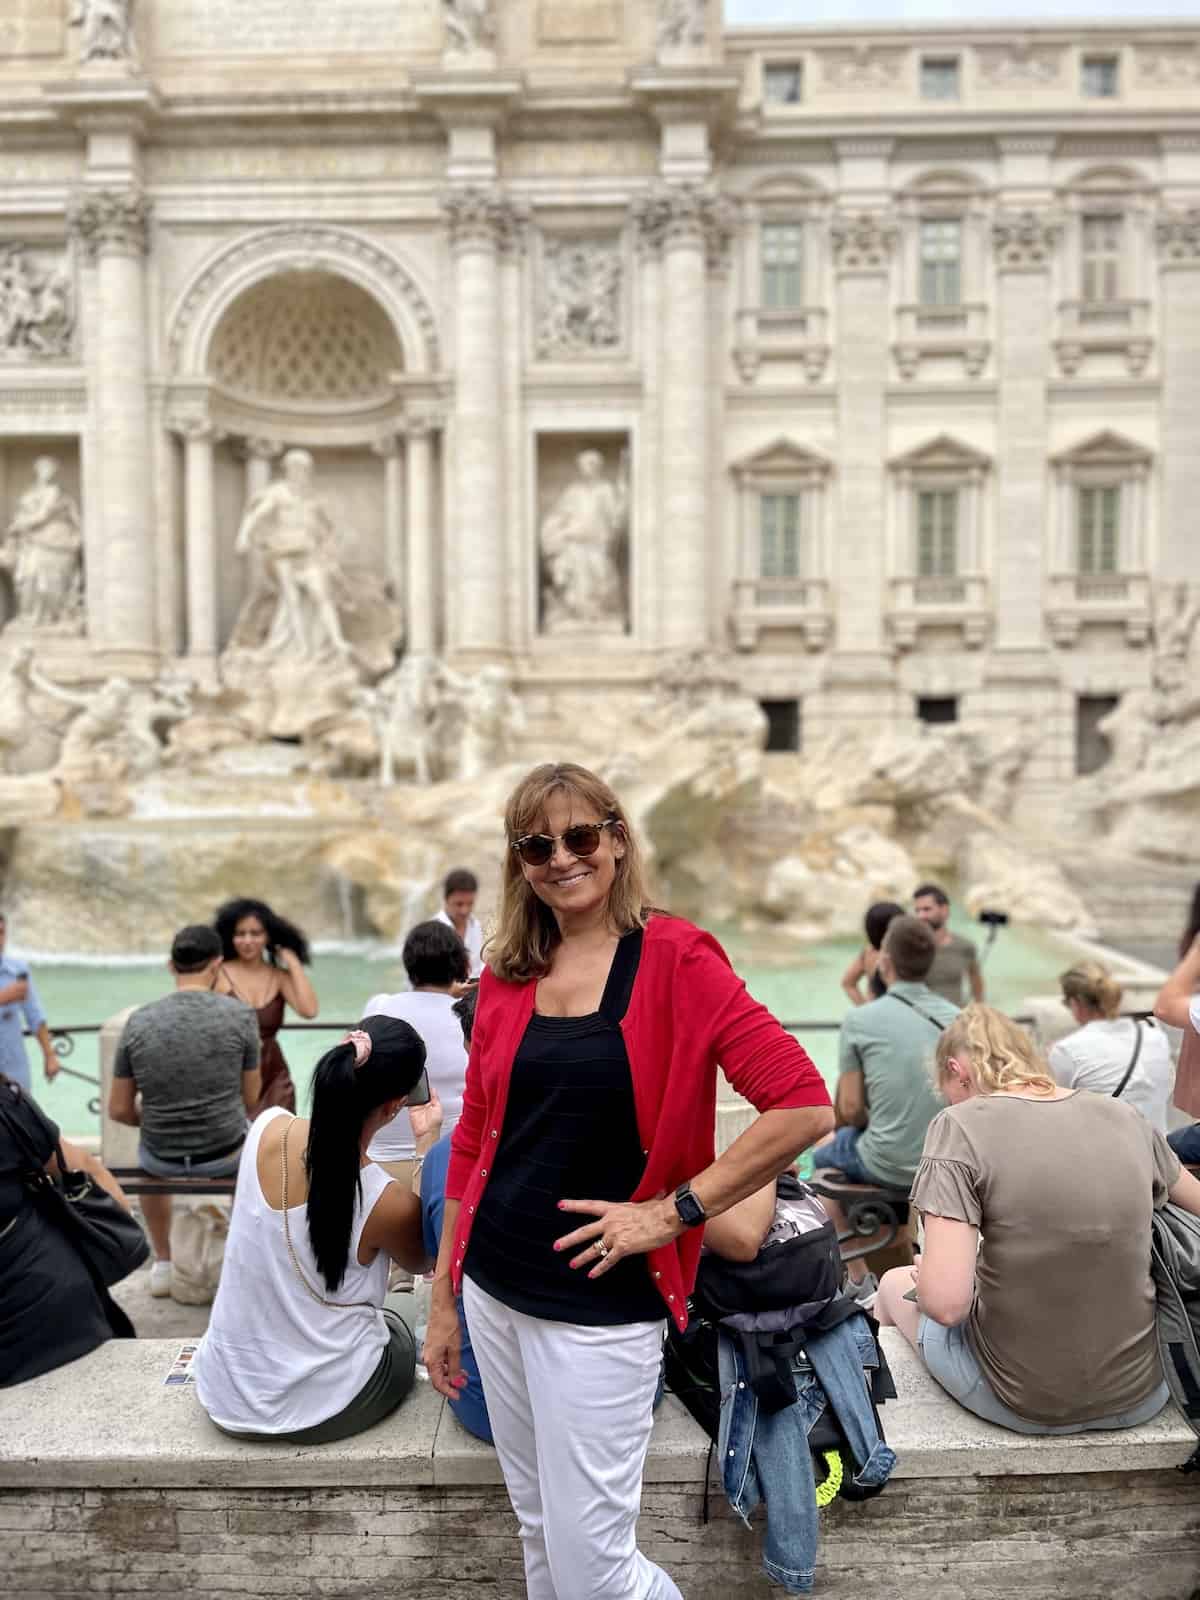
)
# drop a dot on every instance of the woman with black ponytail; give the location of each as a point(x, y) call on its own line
point(300, 1346)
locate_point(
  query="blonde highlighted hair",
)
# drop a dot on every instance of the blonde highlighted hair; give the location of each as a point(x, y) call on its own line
point(1094, 985)
point(998, 1054)
point(523, 944)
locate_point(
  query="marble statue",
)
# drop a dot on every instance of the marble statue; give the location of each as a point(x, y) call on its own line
point(407, 707)
point(106, 30)
point(492, 717)
point(1176, 614)
point(37, 315)
point(97, 745)
point(290, 528)
point(581, 297)
point(43, 551)
point(470, 25)
point(581, 541)
point(682, 22)
point(16, 714)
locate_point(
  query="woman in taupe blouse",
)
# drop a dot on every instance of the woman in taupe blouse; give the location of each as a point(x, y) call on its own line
point(1034, 1305)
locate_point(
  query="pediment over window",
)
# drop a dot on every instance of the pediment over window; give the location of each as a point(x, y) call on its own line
point(783, 458)
point(1105, 449)
point(945, 454)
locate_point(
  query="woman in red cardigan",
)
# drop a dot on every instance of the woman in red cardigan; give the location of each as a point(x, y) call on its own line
point(591, 1099)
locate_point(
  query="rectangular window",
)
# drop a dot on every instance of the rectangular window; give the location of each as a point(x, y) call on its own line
point(1101, 240)
point(783, 724)
point(1101, 79)
point(1092, 749)
point(779, 536)
point(783, 82)
point(941, 262)
point(1099, 529)
point(939, 78)
point(937, 533)
point(937, 708)
point(781, 245)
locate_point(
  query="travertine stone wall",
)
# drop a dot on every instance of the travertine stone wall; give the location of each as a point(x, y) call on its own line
point(1081, 1537)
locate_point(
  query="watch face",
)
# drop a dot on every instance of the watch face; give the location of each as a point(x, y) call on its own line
point(691, 1212)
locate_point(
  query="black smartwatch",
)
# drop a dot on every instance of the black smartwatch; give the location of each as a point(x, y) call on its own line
point(691, 1212)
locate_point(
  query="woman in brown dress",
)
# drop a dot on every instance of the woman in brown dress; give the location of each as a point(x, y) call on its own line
point(264, 963)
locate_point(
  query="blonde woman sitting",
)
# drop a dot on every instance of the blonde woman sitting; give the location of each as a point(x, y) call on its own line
point(1108, 1053)
point(1047, 1325)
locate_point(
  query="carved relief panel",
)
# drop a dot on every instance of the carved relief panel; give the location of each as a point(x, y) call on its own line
point(579, 309)
point(37, 303)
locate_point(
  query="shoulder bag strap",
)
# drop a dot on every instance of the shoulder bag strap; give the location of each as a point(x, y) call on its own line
point(340, 1305)
point(905, 1001)
point(1133, 1060)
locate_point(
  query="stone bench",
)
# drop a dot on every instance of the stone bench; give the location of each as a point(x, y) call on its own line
point(112, 1483)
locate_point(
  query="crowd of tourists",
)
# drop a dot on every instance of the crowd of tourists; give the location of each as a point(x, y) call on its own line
point(532, 1122)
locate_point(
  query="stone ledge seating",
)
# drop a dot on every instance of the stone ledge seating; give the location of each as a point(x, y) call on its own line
point(136, 1181)
point(108, 1426)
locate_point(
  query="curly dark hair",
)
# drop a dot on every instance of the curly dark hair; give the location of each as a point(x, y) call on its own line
point(281, 934)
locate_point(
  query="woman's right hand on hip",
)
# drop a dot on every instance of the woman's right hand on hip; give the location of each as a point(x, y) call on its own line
point(443, 1347)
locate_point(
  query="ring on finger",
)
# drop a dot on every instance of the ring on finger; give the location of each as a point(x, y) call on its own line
point(602, 1249)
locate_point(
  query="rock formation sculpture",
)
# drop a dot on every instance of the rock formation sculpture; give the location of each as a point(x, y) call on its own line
point(581, 541)
point(43, 551)
point(492, 719)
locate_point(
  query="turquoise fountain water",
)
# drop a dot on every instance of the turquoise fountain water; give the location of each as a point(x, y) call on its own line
point(799, 983)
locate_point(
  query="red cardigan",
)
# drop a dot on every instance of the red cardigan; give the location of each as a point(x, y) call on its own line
point(688, 1012)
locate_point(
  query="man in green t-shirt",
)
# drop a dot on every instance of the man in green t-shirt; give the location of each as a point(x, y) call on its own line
point(955, 960)
point(885, 1095)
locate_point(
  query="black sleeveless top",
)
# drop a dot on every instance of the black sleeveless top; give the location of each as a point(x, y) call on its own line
point(570, 1133)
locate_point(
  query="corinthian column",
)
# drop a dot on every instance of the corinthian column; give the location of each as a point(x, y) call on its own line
point(202, 625)
point(679, 221)
point(421, 583)
point(482, 224)
point(111, 226)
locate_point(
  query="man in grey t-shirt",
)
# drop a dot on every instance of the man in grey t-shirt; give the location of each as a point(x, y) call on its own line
point(956, 960)
point(192, 1058)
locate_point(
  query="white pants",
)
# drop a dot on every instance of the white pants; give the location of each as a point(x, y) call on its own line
point(571, 1409)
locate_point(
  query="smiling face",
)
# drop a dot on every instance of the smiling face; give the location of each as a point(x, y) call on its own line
point(574, 887)
point(249, 939)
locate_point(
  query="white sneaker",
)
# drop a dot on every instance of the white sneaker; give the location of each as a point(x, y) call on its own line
point(863, 1292)
point(160, 1279)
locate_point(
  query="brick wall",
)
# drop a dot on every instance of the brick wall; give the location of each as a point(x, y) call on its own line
point(1080, 1537)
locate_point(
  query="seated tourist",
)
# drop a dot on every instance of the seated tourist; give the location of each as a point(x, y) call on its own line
point(1111, 1054)
point(885, 1098)
point(52, 1313)
point(186, 1074)
point(470, 1407)
point(1178, 1005)
point(866, 962)
point(299, 1345)
point(1034, 1306)
point(435, 961)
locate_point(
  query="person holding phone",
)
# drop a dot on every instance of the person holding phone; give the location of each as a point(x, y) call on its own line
point(300, 1347)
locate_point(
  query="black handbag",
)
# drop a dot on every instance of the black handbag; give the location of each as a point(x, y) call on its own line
point(107, 1238)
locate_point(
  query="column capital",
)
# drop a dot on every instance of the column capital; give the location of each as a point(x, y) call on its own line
point(685, 214)
point(192, 428)
point(863, 241)
point(1025, 240)
point(388, 447)
point(484, 217)
point(1177, 234)
point(423, 424)
point(110, 221)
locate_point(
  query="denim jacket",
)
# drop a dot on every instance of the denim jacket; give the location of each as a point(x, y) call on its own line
point(766, 1456)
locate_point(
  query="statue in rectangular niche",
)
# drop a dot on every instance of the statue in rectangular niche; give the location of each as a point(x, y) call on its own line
point(43, 550)
point(583, 538)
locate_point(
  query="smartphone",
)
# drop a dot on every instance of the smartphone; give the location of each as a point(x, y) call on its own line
point(418, 1095)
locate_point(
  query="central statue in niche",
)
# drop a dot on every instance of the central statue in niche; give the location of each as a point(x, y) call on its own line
point(289, 527)
point(582, 538)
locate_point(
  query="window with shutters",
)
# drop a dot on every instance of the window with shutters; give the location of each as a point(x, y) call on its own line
point(1102, 245)
point(781, 252)
point(1098, 529)
point(937, 533)
point(941, 262)
point(779, 550)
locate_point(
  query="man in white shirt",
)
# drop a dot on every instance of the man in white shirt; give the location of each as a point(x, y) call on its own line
point(458, 912)
point(1178, 1004)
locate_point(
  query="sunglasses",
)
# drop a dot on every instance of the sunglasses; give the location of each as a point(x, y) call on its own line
point(583, 839)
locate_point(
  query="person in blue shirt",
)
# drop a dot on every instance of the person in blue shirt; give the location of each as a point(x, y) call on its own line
point(21, 1009)
point(470, 1408)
